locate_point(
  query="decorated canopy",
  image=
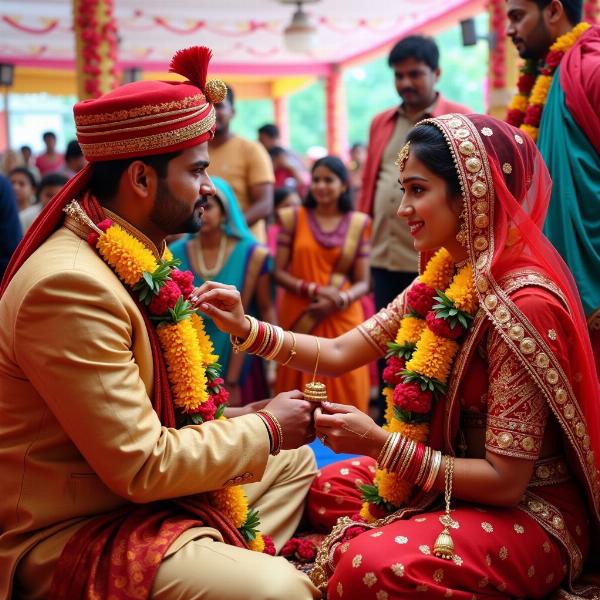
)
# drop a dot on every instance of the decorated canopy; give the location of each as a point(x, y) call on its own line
point(246, 35)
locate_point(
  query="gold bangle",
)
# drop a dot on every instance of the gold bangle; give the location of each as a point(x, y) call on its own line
point(423, 466)
point(408, 454)
point(434, 469)
point(279, 335)
point(384, 449)
point(392, 449)
point(240, 346)
point(398, 454)
point(318, 356)
point(292, 349)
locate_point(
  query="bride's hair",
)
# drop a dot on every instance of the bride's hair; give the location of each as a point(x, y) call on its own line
point(428, 145)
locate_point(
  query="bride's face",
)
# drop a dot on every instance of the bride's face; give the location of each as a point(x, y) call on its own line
point(432, 216)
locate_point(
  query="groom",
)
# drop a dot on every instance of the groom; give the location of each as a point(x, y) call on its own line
point(102, 496)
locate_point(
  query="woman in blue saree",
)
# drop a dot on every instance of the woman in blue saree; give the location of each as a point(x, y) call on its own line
point(225, 250)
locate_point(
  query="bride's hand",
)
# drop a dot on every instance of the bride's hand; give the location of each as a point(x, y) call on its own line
point(345, 428)
point(223, 304)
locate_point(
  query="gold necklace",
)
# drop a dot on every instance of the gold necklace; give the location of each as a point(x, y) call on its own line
point(204, 270)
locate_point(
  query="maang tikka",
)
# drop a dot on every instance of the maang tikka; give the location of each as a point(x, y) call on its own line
point(403, 156)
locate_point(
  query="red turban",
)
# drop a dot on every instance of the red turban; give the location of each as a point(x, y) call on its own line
point(134, 120)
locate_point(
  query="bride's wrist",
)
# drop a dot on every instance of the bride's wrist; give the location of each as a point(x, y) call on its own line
point(242, 330)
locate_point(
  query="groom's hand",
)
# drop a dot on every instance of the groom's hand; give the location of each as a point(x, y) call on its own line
point(295, 415)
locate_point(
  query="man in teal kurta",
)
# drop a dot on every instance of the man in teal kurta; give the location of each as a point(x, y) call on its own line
point(569, 140)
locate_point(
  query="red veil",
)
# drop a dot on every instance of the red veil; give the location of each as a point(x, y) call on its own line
point(506, 189)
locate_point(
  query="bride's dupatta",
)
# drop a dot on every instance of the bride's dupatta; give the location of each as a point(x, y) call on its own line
point(506, 189)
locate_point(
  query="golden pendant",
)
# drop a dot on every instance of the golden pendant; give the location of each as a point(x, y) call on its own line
point(315, 391)
point(444, 545)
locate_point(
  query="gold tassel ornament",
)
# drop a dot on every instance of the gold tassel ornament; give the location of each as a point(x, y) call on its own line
point(444, 544)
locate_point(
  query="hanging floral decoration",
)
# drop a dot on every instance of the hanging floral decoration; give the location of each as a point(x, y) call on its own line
point(418, 365)
point(99, 43)
point(590, 11)
point(533, 85)
point(498, 56)
point(192, 365)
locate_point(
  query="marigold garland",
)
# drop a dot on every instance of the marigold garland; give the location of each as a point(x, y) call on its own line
point(418, 366)
point(526, 108)
point(185, 364)
point(192, 365)
point(118, 248)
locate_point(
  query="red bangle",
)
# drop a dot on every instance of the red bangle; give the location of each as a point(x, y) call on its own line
point(274, 429)
point(415, 463)
point(260, 337)
point(269, 432)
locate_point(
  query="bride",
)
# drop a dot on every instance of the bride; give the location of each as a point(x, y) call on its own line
point(484, 482)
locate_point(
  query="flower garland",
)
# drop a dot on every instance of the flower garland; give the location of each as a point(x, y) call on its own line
point(99, 44)
point(418, 366)
point(192, 366)
point(526, 107)
point(590, 11)
point(498, 56)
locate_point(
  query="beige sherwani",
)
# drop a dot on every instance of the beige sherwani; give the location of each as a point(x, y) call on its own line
point(79, 436)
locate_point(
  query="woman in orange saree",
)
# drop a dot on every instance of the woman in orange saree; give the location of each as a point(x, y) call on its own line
point(513, 435)
point(322, 264)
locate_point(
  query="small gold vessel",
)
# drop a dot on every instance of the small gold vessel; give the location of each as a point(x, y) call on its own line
point(315, 391)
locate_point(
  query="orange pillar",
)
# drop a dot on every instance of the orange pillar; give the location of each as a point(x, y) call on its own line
point(337, 134)
point(96, 46)
point(280, 108)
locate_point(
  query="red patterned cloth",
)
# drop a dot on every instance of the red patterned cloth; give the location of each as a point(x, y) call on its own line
point(118, 554)
point(499, 552)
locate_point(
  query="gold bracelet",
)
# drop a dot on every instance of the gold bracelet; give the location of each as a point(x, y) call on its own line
point(424, 465)
point(384, 449)
point(398, 453)
point(409, 452)
point(292, 349)
point(241, 346)
point(434, 469)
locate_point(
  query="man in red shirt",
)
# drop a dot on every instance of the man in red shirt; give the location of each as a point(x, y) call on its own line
point(415, 63)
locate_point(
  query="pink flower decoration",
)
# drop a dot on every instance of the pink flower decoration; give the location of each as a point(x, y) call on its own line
point(269, 545)
point(206, 410)
point(220, 397)
point(442, 328)
point(391, 373)
point(410, 397)
point(167, 297)
point(185, 281)
point(420, 298)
